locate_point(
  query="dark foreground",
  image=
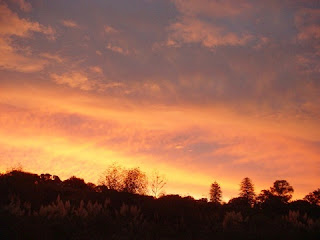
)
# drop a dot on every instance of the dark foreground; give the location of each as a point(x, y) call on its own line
point(40, 207)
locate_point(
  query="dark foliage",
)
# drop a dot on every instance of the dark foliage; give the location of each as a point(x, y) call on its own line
point(44, 207)
point(215, 193)
point(313, 197)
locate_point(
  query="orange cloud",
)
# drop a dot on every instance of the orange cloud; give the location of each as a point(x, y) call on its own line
point(96, 69)
point(307, 22)
point(190, 30)
point(310, 32)
point(74, 80)
point(213, 8)
point(10, 59)
point(109, 29)
point(117, 49)
point(54, 57)
point(85, 81)
point(70, 24)
point(11, 24)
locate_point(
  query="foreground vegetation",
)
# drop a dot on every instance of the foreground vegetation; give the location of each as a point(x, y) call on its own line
point(44, 207)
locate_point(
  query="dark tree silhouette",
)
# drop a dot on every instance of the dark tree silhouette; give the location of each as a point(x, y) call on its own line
point(313, 197)
point(31, 208)
point(45, 177)
point(267, 200)
point(56, 179)
point(74, 182)
point(247, 190)
point(91, 186)
point(135, 181)
point(283, 189)
point(215, 193)
point(264, 196)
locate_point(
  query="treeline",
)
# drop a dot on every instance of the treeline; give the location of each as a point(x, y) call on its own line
point(44, 207)
point(280, 192)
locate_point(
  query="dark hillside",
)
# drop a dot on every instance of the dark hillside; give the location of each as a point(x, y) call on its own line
point(44, 207)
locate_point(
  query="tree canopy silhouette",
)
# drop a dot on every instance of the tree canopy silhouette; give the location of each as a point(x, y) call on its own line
point(282, 189)
point(113, 177)
point(313, 197)
point(74, 182)
point(127, 180)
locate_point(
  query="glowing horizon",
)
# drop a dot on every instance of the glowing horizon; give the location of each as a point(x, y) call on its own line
point(202, 91)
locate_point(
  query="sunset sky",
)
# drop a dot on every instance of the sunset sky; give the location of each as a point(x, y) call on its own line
point(201, 90)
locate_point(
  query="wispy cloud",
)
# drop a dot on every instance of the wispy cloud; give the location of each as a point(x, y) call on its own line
point(70, 24)
point(54, 57)
point(109, 29)
point(117, 49)
point(85, 81)
point(74, 80)
point(10, 59)
point(96, 69)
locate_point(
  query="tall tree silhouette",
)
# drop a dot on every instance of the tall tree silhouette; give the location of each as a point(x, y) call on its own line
point(215, 193)
point(283, 189)
point(247, 190)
